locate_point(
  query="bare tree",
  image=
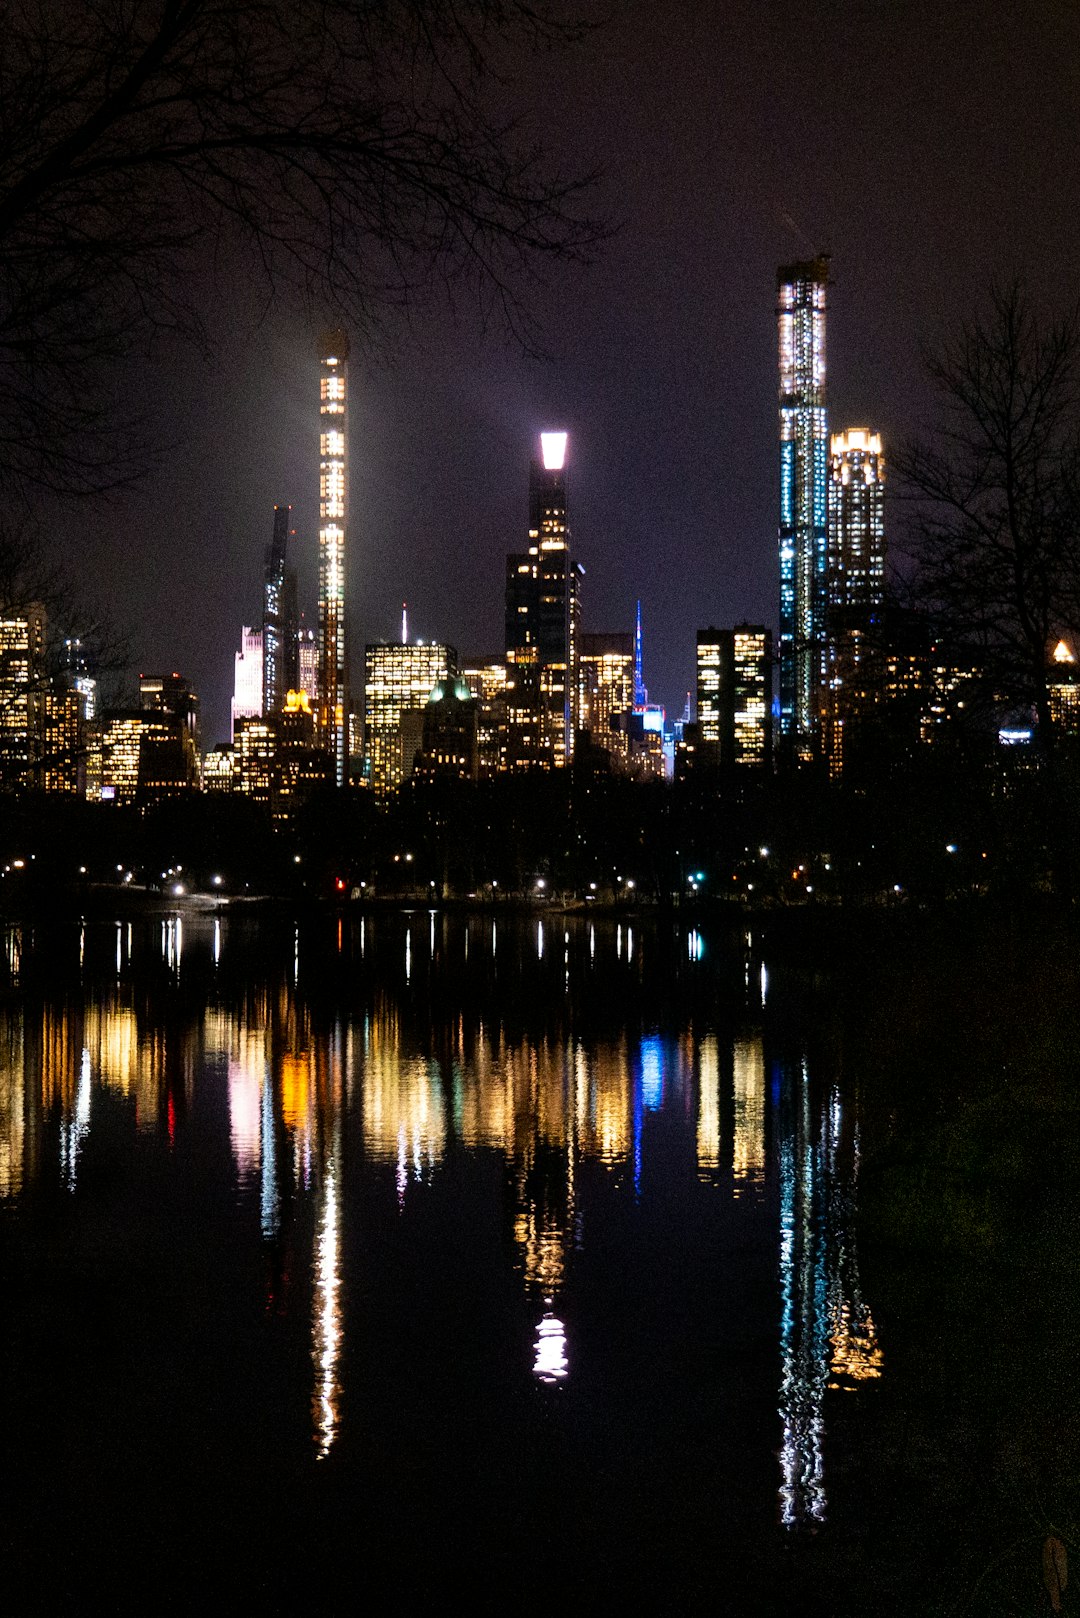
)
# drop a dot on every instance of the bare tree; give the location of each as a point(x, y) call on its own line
point(347, 149)
point(995, 534)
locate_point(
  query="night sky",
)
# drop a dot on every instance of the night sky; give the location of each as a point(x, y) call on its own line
point(927, 147)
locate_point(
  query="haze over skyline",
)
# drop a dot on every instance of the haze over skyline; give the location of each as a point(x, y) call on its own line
point(927, 150)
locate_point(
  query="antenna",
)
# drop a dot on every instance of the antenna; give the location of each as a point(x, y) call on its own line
point(404, 623)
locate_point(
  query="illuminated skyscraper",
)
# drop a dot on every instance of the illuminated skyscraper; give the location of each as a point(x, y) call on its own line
point(22, 683)
point(280, 623)
point(333, 702)
point(856, 575)
point(804, 483)
point(710, 656)
point(398, 680)
point(543, 613)
point(855, 593)
point(606, 672)
point(734, 695)
point(247, 700)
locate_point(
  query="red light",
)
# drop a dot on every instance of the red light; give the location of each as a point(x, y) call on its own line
point(340, 884)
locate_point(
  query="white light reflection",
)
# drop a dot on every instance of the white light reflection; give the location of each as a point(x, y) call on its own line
point(363, 937)
point(408, 955)
point(592, 943)
point(695, 945)
point(764, 983)
point(550, 1363)
point(618, 942)
point(73, 1132)
point(269, 1205)
point(431, 933)
point(539, 941)
point(327, 1332)
point(629, 943)
point(217, 940)
point(119, 949)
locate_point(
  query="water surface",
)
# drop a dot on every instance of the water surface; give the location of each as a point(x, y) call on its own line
point(409, 1257)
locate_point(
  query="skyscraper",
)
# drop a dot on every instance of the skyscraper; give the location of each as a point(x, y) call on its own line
point(398, 680)
point(280, 622)
point(333, 703)
point(247, 700)
point(734, 696)
point(804, 482)
point(856, 573)
point(543, 614)
point(855, 594)
point(607, 678)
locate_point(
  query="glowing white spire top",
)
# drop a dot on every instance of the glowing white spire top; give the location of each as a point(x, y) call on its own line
point(404, 624)
point(553, 449)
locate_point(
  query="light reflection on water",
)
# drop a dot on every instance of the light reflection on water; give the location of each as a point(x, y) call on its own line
point(310, 1108)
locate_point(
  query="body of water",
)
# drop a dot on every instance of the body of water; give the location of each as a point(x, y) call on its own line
point(412, 1259)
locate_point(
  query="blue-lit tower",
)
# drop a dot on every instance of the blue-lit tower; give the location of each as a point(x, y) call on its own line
point(641, 696)
point(804, 498)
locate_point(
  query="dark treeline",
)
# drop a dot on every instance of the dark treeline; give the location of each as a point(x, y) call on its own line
point(945, 820)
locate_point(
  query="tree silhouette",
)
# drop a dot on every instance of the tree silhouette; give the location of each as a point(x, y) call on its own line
point(996, 495)
point(352, 153)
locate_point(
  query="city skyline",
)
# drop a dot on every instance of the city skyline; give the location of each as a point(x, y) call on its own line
point(904, 144)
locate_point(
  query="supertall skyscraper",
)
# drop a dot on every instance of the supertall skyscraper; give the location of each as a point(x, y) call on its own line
point(804, 486)
point(333, 703)
point(543, 615)
point(280, 620)
point(856, 577)
point(855, 670)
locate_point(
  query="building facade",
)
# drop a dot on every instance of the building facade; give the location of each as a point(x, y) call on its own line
point(606, 672)
point(855, 594)
point(280, 626)
point(543, 618)
point(22, 685)
point(398, 680)
point(804, 484)
point(333, 693)
point(734, 698)
point(247, 697)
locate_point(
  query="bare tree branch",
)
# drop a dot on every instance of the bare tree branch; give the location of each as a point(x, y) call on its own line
point(996, 497)
point(353, 150)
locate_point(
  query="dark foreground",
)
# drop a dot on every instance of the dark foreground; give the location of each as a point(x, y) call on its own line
point(537, 1264)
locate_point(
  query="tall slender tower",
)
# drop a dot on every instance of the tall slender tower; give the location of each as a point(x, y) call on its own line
point(543, 618)
point(856, 526)
point(333, 704)
point(804, 486)
point(279, 627)
point(854, 666)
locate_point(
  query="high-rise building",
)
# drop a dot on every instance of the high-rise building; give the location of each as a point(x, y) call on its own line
point(280, 669)
point(449, 748)
point(606, 670)
point(1063, 685)
point(22, 684)
point(333, 700)
point(856, 572)
point(398, 680)
point(247, 698)
point(307, 665)
point(855, 593)
point(804, 483)
point(486, 678)
point(543, 615)
point(734, 697)
point(710, 658)
point(167, 762)
point(750, 700)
